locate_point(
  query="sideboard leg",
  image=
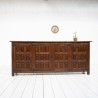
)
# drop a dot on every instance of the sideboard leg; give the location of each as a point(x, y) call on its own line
point(12, 73)
point(88, 72)
point(83, 72)
point(16, 73)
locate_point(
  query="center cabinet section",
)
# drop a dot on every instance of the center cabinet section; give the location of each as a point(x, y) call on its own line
point(51, 57)
point(28, 57)
point(41, 57)
point(61, 56)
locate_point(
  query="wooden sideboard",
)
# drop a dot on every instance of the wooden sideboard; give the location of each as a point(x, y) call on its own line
point(50, 56)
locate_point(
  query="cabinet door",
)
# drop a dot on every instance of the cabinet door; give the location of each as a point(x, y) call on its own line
point(61, 56)
point(22, 57)
point(41, 57)
point(80, 55)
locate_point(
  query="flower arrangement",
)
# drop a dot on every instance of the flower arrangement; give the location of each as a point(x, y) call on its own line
point(75, 37)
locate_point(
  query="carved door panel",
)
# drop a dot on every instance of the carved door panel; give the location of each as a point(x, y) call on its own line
point(61, 57)
point(41, 57)
point(22, 57)
point(80, 56)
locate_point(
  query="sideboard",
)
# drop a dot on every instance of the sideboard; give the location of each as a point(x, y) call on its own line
point(50, 56)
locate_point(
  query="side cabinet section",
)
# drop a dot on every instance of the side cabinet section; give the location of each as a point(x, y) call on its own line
point(21, 58)
point(80, 57)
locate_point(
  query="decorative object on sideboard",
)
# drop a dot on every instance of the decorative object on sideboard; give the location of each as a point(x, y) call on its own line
point(55, 29)
point(75, 37)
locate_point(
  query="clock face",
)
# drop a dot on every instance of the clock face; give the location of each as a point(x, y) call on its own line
point(55, 29)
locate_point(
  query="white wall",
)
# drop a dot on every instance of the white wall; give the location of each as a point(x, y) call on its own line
point(33, 19)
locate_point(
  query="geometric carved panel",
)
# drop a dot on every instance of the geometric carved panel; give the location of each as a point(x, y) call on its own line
point(22, 57)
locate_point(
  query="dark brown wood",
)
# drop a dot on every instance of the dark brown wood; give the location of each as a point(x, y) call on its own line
point(50, 56)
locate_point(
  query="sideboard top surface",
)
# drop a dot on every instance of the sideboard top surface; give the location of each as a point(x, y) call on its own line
point(50, 41)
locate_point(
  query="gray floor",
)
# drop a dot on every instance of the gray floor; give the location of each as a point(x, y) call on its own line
point(63, 85)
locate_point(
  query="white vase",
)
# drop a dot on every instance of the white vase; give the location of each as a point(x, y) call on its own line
point(75, 39)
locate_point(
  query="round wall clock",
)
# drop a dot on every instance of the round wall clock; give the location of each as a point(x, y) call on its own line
point(54, 29)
